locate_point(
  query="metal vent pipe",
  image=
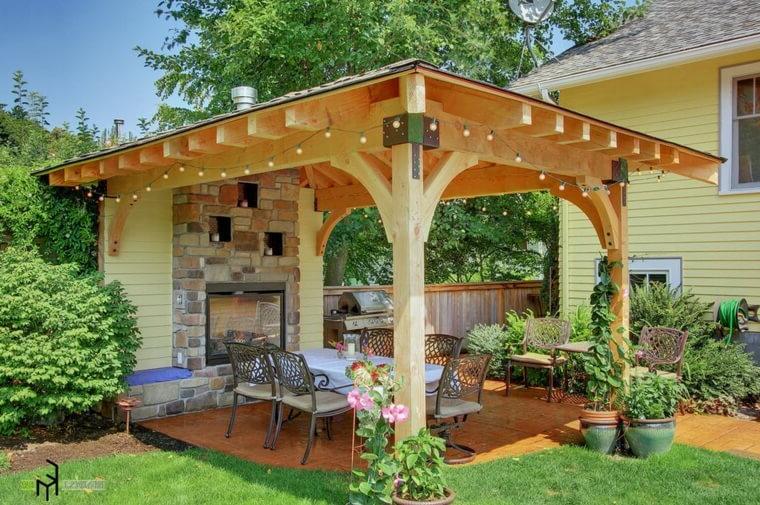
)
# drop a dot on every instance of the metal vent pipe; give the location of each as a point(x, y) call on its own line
point(244, 97)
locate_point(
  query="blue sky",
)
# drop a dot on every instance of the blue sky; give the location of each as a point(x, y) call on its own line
point(79, 53)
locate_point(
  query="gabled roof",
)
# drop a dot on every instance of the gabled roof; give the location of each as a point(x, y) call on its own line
point(671, 32)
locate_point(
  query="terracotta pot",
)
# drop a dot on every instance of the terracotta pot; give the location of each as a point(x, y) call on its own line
point(650, 436)
point(600, 429)
point(450, 495)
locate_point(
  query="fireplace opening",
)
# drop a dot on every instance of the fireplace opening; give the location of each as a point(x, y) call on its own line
point(243, 312)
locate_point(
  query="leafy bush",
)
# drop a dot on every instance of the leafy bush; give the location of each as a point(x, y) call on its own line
point(717, 375)
point(653, 397)
point(498, 341)
point(580, 321)
point(419, 461)
point(66, 341)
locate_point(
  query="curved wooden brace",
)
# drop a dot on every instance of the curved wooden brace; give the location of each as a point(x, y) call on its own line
point(446, 170)
point(368, 170)
point(605, 210)
point(585, 205)
point(116, 227)
point(327, 227)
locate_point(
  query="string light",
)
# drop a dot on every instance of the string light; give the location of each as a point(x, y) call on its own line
point(528, 213)
point(200, 173)
point(584, 194)
point(466, 131)
point(247, 169)
point(562, 186)
point(270, 163)
point(490, 135)
point(166, 175)
point(434, 125)
point(101, 198)
point(118, 198)
point(622, 184)
point(362, 138)
point(542, 176)
point(328, 133)
point(504, 213)
point(606, 188)
point(299, 149)
point(134, 196)
point(223, 174)
point(147, 188)
point(396, 123)
point(89, 194)
point(76, 187)
point(518, 158)
point(659, 178)
point(182, 168)
point(483, 209)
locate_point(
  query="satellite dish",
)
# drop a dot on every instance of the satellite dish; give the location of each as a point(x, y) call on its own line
point(532, 11)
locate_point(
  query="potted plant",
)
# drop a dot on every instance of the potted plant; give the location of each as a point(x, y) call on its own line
point(650, 407)
point(419, 477)
point(603, 368)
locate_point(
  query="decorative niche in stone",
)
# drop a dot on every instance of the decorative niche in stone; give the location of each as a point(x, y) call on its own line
point(273, 244)
point(248, 194)
point(219, 229)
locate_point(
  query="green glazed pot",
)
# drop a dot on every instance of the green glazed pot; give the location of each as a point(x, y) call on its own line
point(600, 430)
point(650, 436)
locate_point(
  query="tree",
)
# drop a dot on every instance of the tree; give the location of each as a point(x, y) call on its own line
point(20, 94)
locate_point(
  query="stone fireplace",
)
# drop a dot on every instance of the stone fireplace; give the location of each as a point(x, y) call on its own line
point(235, 275)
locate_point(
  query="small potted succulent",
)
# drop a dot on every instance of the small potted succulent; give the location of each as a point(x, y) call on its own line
point(603, 366)
point(650, 407)
point(419, 471)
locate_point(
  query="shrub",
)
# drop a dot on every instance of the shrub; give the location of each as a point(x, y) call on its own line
point(66, 341)
point(658, 305)
point(498, 341)
point(653, 397)
point(580, 320)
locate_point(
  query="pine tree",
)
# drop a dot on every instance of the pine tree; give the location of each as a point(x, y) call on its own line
point(21, 95)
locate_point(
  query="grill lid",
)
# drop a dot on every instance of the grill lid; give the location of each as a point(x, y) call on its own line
point(365, 302)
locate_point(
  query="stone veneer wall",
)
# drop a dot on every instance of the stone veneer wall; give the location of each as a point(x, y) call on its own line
point(197, 261)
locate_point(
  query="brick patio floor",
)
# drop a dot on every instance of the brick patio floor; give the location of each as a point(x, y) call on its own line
point(510, 426)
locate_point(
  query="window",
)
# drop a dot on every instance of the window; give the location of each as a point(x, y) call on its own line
point(740, 128)
point(642, 271)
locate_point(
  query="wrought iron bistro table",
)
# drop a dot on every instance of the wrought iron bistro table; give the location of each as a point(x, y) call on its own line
point(327, 363)
point(572, 348)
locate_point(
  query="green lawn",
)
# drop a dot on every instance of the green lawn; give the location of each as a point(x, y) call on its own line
point(565, 475)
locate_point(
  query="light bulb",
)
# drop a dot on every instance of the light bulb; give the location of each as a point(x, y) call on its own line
point(247, 170)
point(434, 125)
point(76, 187)
point(518, 158)
point(182, 168)
point(562, 186)
point(101, 198)
point(270, 163)
point(528, 213)
point(489, 137)
point(622, 184)
point(223, 174)
point(504, 213)
point(147, 188)
point(483, 209)
point(299, 149)
point(166, 175)
point(134, 196)
point(659, 178)
point(89, 194)
point(585, 193)
point(118, 198)
point(466, 131)
point(541, 176)
point(362, 138)
point(200, 173)
point(328, 133)
point(396, 123)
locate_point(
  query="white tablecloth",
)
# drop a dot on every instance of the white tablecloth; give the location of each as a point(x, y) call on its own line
point(327, 362)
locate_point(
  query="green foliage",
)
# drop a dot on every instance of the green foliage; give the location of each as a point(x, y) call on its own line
point(66, 341)
point(5, 462)
point(490, 339)
point(603, 367)
point(717, 375)
point(419, 460)
point(653, 397)
point(580, 320)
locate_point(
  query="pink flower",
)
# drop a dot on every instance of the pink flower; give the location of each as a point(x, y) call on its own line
point(359, 401)
point(340, 347)
point(639, 354)
point(395, 413)
point(397, 482)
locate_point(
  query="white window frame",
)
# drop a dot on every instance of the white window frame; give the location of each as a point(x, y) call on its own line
point(728, 79)
point(671, 267)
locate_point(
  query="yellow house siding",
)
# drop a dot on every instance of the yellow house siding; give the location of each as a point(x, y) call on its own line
point(716, 235)
point(144, 267)
point(310, 265)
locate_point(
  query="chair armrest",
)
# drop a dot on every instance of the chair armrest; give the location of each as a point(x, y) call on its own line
point(323, 380)
point(431, 391)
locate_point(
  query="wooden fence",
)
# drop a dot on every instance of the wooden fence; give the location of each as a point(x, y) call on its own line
point(456, 308)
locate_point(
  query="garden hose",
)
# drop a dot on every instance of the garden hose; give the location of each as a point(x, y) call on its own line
point(728, 312)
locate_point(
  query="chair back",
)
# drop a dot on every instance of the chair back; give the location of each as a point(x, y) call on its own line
point(378, 341)
point(268, 318)
point(546, 333)
point(440, 348)
point(462, 378)
point(251, 364)
point(661, 346)
point(293, 373)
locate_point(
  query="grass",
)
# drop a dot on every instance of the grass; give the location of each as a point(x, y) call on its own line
point(570, 475)
point(4, 461)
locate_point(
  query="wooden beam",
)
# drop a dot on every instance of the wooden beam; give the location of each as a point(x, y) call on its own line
point(268, 125)
point(649, 152)
point(154, 156)
point(90, 171)
point(309, 169)
point(575, 132)
point(57, 178)
point(602, 139)
point(337, 177)
point(545, 123)
point(178, 149)
point(619, 255)
point(204, 141)
point(116, 227)
point(448, 167)
point(234, 134)
point(324, 232)
point(605, 210)
point(318, 114)
point(72, 175)
point(130, 162)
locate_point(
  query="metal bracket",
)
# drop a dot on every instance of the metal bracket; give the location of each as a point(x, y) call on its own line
point(410, 128)
point(416, 161)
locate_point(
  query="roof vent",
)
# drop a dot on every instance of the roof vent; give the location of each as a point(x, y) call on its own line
point(244, 97)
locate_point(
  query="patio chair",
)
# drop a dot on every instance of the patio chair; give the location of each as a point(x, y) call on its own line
point(543, 333)
point(440, 348)
point(268, 318)
point(659, 346)
point(253, 377)
point(378, 341)
point(459, 394)
point(300, 393)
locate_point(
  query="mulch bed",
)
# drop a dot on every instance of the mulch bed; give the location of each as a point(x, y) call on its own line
point(83, 436)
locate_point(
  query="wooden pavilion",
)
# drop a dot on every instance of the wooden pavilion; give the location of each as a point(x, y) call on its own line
point(401, 138)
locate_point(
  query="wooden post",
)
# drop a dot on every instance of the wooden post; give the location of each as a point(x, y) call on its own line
point(621, 301)
point(409, 284)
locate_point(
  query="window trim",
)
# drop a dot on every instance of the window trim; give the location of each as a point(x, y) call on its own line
point(728, 78)
point(671, 266)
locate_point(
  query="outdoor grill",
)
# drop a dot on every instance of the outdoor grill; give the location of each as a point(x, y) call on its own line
point(357, 311)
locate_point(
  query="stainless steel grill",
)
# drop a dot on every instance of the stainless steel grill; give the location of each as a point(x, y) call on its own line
point(356, 311)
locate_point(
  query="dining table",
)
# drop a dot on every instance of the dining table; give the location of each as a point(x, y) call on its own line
point(327, 363)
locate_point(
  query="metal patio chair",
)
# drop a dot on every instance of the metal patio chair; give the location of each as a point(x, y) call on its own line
point(440, 348)
point(378, 341)
point(458, 395)
point(544, 333)
point(659, 346)
point(268, 318)
point(253, 377)
point(300, 393)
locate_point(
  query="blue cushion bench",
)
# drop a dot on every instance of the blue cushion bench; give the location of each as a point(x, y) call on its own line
point(164, 374)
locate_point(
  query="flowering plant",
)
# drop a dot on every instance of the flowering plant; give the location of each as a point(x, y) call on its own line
point(372, 400)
